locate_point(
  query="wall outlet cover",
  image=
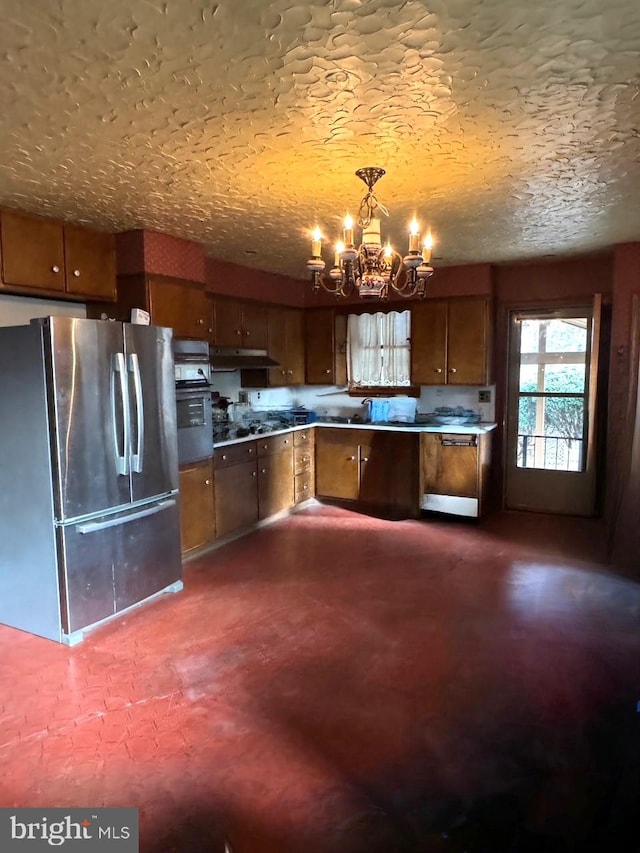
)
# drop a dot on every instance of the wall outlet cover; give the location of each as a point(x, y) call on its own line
point(484, 396)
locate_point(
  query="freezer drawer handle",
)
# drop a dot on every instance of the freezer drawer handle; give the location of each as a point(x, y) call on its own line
point(93, 526)
point(136, 458)
point(122, 460)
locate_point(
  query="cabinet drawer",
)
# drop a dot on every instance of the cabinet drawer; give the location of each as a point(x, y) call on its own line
point(274, 444)
point(303, 459)
point(302, 436)
point(304, 486)
point(233, 454)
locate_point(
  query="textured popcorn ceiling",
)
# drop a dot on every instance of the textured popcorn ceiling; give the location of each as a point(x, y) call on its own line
point(509, 127)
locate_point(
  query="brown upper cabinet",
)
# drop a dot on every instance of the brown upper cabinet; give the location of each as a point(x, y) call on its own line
point(173, 302)
point(285, 344)
point(325, 347)
point(238, 324)
point(53, 257)
point(450, 342)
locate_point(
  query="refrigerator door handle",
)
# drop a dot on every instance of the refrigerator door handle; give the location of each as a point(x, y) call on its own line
point(93, 526)
point(122, 460)
point(136, 458)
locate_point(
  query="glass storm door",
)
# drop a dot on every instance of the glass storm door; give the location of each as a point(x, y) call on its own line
point(550, 418)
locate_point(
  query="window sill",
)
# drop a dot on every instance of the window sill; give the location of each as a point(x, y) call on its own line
point(384, 391)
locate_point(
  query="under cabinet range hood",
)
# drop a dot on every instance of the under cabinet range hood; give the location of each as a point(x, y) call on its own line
point(229, 358)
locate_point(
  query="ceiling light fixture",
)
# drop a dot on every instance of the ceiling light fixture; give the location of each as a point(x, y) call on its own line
point(371, 269)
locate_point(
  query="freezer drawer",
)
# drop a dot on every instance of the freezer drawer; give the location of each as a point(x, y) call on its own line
point(112, 562)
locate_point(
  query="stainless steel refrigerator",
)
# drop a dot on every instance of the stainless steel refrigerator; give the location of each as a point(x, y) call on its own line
point(89, 521)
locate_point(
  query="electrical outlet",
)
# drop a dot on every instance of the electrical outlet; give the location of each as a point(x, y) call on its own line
point(484, 396)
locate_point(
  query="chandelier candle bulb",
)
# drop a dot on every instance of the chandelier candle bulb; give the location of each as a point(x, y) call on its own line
point(338, 254)
point(414, 236)
point(316, 244)
point(426, 248)
point(348, 230)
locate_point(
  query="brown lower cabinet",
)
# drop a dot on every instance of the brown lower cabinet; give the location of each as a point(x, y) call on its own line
point(236, 481)
point(275, 474)
point(374, 467)
point(197, 515)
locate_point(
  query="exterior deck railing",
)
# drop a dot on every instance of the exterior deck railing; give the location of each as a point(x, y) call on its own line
point(553, 452)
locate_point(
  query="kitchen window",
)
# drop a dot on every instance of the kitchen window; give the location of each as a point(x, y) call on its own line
point(379, 350)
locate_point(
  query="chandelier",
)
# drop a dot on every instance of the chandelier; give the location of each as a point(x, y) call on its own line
point(371, 269)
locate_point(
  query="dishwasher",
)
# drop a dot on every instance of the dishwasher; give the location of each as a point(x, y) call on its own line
point(450, 473)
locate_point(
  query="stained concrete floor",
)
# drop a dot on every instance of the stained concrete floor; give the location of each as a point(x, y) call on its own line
point(336, 683)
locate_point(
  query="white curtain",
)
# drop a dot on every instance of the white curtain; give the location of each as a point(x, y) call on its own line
point(378, 349)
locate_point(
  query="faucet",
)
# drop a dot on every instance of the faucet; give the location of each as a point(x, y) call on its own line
point(368, 401)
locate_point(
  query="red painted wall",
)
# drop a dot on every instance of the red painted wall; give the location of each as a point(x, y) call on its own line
point(151, 252)
point(233, 280)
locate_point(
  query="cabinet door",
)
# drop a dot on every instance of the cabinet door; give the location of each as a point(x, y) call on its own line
point(448, 470)
point(467, 359)
point(275, 483)
point(197, 515)
point(32, 251)
point(337, 464)
point(277, 345)
point(428, 343)
point(198, 313)
point(319, 344)
point(236, 491)
point(172, 304)
point(254, 325)
point(227, 324)
point(295, 347)
point(389, 471)
point(90, 263)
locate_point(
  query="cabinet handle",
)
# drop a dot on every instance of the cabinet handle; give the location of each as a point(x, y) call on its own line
point(437, 370)
point(76, 273)
point(452, 370)
point(207, 482)
point(55, 268)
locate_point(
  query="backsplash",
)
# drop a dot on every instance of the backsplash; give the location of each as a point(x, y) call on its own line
point(335, 401)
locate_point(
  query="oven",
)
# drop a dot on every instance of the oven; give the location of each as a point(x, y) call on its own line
point(193, 400)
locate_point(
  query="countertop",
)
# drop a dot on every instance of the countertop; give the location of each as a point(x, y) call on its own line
point(465, 429)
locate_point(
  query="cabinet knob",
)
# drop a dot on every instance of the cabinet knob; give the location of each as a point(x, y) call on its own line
point(207, 482)
point(328, 370)
point(303, 434)
point(289, 372)
point(352, 458)
point(365, 458)
point(437, 370)
point(55, 268)
point(76, 273)
point(263, 470)
point(200, 321)
point(253, 473)
point(305, 487)
point(452, 370)
point(265, 446)
point(283, 372)
point(238, 332)
point(247, 333)
point(224, 455)
point(250, 451)
point(286, 441)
